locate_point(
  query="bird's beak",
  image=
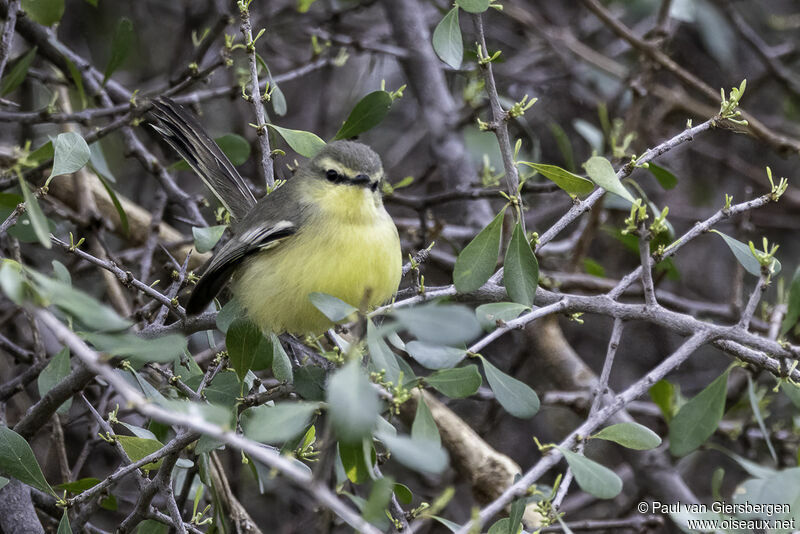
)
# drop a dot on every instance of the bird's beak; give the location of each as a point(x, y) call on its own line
point(362, 180)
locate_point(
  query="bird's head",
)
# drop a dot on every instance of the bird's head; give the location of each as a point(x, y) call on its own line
point(348, 164)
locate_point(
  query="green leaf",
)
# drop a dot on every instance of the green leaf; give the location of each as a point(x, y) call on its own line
point(17, 461)
point(697, 420)
point(504, 526)
point(792, 391)
point(205, 238)
point(447, 41)
point(564, 145)
point(120, 47)
point(86, 309)
point(374, 509)
point(304, 5)
point(434, 356)
point(243, 339)
point(381, 356)
point(520, 269)
point(77, 79)
point(138, 448)
point(45, 12)
point(331, 307)
point(352, 403)
point(456, 383)
point(70, 154)
point(35, 214)
point(17, 72)
point(403, 494)
point(592, 477)
point(602, 173)
point(357, 460)
point(151, 526)
point(63, 525)
point(57, 369)
point(664, 395)
point(162, 349)
point(630, 435)
point(304, 143)
point(123, 217)
point(751, 394)
point(793, 304)
point(745, 256)
point(279, 423)
point(281, 365)
point(515, 517)
point(61, 273)
point(473, 6)
point(367, 113)
point(12, 282)
point(420, 455)
point(489, 314)
point(569, 182)
point(79, 486)
point(664, 176)
point(309, 382)
point(446, 324)
point(516, 397)
point(229, 312)
point(476, 263)
point(235, 147)
point(424, 426)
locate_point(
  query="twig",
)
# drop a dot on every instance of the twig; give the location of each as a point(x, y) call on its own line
point(7, 39)
point(554, 456)
point(265, 169)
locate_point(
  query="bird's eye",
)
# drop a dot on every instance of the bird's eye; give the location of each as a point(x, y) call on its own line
point(332, 175)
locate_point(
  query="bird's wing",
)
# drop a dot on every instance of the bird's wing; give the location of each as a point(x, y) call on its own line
point(185, 134)
point(259, 237)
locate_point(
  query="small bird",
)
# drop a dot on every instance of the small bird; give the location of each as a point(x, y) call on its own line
point(325, 230)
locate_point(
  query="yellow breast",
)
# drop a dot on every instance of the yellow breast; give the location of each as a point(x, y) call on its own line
point(349, 249)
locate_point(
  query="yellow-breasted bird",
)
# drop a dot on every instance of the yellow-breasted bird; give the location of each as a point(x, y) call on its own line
point(325, 230)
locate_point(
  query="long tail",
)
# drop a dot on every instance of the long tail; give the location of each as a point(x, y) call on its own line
point(185, 134)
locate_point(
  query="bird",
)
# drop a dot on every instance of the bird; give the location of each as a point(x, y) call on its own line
point(324, 230)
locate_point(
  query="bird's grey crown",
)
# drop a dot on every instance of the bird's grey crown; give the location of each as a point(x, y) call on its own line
point(353, 155)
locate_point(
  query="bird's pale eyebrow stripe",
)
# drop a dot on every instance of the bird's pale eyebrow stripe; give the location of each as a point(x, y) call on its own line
point(330, 163)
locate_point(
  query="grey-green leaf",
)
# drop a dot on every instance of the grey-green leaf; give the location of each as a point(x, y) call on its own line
point(697, 420)
point(751, 394)
point(57, 369)
point(520, 269)
point(367, 113)
point(17, 460)
point(516, 397)
point(279, 423)
point(476, 263)
point(352, 403)
point(664, 176)
point(434, 356)
point(456, 383)
point(793, 304)
point(35, 214)
point(205, 238)
point(381, 356)
point(446, 324)
point(235, 147)
point(162, 349)
point(745, 256)
point(63, 525)
point(420, 455)
point(602, 173)
point(17, 72)
point(489, 314)
point(304, 143)
point(281, 365)
point(592, 477)
point(242, 339)
point(70, 154)
point(447, 41)
point(569, 182)
point(424, 427)
point(473, 6)
point(120, 47)
point(86, 309)
point(630, 435)
point(331, 307)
